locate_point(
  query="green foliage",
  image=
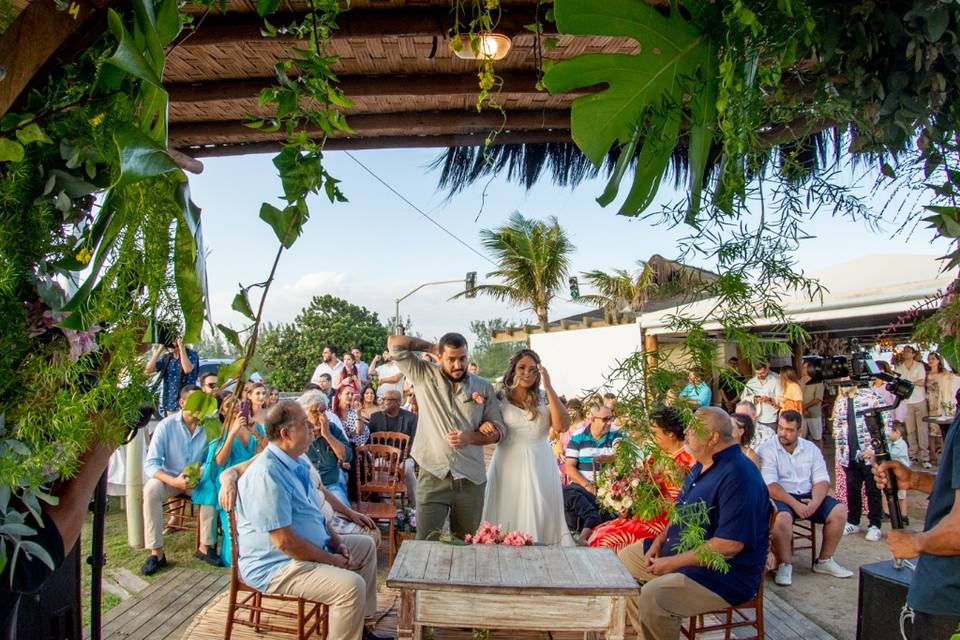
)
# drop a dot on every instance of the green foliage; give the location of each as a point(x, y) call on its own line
point(492, 357)
point(621, 290)
point(292, 351)
point(645, 92)
point(533, 258)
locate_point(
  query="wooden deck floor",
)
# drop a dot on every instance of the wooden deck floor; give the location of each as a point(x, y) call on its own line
point(191, 605)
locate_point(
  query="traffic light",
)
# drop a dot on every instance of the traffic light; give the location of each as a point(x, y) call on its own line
point(471, 283)
point(574, 287)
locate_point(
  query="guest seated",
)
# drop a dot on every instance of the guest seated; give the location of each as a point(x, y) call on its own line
point(393, 418)
point(668, 434)
point(586, 449)
point(744, 430)
point(287, 546)
point(796, 474)
point(330, 447)
point(761, 432)
point(675, 586)
point(177, 443)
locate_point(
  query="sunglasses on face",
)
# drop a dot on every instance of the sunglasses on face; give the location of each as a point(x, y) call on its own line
point(607, 419)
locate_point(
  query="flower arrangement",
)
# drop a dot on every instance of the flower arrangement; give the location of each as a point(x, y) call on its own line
point(476, 398)
point(493, 534)
point(405, 521)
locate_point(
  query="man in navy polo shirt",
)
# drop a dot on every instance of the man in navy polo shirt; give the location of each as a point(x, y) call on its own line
point(675, 585)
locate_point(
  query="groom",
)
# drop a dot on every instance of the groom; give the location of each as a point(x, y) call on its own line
point(449, 448)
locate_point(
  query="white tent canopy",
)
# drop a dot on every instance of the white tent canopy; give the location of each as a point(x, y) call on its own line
point(865, 294)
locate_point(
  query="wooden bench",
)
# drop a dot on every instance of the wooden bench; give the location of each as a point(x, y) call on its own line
point(502, 587)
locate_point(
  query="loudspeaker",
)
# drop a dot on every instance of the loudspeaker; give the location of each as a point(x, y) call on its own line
point(883, 592)
point(54, 613)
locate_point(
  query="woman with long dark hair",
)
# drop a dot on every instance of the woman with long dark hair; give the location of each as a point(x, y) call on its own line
point(524, 492)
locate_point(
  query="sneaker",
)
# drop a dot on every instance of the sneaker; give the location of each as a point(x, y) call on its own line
point(830, 567)
point(906, 521)
point(153, 564)
point(784, 576)
point(927, 465)
point(850, 529)
point(873, 534)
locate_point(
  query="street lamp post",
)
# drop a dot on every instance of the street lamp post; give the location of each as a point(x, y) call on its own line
point(399, 327)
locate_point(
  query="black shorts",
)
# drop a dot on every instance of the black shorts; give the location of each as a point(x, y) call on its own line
point(818, 517)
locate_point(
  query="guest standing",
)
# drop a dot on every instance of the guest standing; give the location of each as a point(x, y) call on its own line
point(916, 407)
point(813, 407)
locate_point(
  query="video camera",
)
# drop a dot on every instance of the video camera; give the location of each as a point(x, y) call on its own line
point(859, 368)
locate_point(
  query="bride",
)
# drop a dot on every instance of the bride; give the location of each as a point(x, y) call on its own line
point(523, 487)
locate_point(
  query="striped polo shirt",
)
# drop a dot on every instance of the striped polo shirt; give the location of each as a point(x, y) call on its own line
point(583, 448)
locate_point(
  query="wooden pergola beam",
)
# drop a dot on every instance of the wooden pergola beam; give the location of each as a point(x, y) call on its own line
point(37, 33)
point(358, 23)
point(386, 142)
point(416, 123)
point(360, 86)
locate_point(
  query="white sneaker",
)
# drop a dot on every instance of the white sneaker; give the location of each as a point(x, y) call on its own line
point(873, 534)
point(830, 567)
point(850, 529)
point(784, 576)
point(927, 465)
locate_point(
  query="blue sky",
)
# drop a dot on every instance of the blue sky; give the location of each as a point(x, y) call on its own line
point(375, 248)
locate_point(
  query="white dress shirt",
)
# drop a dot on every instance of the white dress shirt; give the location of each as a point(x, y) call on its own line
point(323, 367)
point(795, 472)
point(770, 387)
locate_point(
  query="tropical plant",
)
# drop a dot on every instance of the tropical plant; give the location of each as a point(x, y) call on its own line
point(291, 351)
point(620, 290)
point(533, 259)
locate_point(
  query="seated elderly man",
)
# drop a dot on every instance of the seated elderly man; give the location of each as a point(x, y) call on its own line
point(796, 474)
point(676, 585)
point(330, 447)
point(286, 544)
point(585, 451)
point(393, 418)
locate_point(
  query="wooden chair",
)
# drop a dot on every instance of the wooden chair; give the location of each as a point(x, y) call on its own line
point(805, 532)
point(180, 514)
point(379, 471)
point(734, 617)
point(312, 617)
point(400, 441)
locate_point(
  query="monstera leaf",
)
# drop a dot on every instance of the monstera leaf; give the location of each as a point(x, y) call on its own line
point(672, 79)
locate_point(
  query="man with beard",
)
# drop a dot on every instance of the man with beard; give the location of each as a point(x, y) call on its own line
point(449, 446)
point(331, 365)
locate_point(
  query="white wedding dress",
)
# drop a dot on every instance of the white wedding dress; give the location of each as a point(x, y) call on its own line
point(523, 482)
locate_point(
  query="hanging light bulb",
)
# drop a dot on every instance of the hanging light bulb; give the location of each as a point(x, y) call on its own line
point(489, 46)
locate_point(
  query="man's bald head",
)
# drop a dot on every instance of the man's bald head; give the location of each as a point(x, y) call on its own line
point(715, 420)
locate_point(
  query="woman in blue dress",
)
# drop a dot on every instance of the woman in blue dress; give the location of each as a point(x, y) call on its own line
point(238, 442)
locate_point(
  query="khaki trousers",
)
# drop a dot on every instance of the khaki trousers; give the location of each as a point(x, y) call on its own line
point(351, 595)
point(664, 601)
point(437, 497)
point(154, 493)
point(918, 431)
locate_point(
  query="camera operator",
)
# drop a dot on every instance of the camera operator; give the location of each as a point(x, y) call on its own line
point(934, 593)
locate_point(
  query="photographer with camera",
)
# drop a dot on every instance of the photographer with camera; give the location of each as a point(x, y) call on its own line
point(178, 366)
point(934, 594)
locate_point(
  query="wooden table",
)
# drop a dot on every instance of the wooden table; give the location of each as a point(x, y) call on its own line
point(502, 587)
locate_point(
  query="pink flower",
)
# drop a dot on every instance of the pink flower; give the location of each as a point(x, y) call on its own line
point(518, 539)
point(468, 538)
point(81, 342)
point(478, 397)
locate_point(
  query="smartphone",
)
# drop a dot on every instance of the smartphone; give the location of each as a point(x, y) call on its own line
point(245, 408)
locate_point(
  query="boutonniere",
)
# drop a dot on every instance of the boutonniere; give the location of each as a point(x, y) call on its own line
point(476, 397)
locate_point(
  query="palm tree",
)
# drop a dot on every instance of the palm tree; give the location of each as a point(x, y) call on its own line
point(533, 258)
point(621, 291)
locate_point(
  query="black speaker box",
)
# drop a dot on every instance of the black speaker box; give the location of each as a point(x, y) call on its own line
point(883, 592)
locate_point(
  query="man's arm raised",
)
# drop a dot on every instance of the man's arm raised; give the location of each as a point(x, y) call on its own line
point(409, 343)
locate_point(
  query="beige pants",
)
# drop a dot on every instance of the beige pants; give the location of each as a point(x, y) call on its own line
point(918, 431)
point(154, 493)
point(665, 600)
point(350, 595)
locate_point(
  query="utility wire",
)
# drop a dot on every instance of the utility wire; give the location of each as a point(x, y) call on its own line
point(418, 209)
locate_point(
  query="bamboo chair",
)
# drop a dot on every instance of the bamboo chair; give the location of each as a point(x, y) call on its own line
point(400, 441)
point(379, 471)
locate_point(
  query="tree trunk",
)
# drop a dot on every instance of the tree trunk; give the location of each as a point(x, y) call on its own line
point(542, 317)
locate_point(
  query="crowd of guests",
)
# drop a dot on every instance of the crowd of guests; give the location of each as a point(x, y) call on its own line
point(757, 463)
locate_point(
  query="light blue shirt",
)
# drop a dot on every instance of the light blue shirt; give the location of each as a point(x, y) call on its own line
point(173, 447)
point(701, 393)
point(275, 492)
